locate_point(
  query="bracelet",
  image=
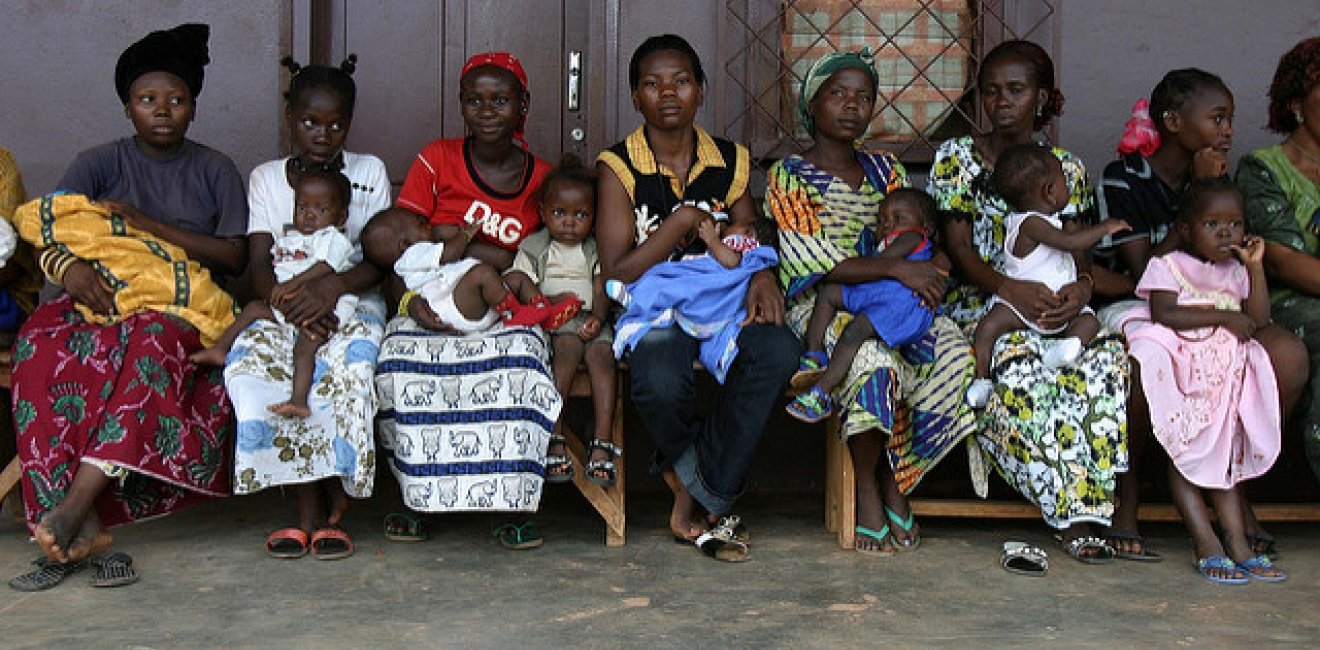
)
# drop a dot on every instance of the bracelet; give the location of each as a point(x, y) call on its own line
point(405, 301)
point(1090, 279)
point(55, 263)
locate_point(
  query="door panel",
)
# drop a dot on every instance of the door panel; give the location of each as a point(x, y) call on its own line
point(411, 52)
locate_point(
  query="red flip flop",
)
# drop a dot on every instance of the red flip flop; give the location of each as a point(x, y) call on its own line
point(331, 544)
point(287, 544)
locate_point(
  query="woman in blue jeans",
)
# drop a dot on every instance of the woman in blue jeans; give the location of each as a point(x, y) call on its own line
point(656, 186)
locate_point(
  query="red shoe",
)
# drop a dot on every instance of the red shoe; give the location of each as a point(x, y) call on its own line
point(561, 312)
point(513, 312)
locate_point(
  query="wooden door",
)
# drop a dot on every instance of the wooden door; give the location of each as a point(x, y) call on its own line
point(411, 51)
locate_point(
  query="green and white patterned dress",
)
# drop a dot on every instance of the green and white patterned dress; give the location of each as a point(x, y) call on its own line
point(1058, 437)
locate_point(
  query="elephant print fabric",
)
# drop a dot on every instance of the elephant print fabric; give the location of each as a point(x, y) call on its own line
point(464, 421)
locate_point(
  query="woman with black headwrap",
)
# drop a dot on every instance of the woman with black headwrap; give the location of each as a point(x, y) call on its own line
point(114, 423)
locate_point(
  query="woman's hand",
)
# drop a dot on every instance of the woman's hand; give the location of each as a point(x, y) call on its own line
point(89, 288)
point(765, 302)
point(420, 311)
point(923, 278)
point(130, 214)
point(1033, 300)
point(310, 301)
point(1074, 297)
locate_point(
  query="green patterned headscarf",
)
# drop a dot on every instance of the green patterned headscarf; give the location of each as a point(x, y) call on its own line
point(821, 70)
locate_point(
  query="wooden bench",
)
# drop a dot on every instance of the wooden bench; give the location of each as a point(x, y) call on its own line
point(8, 478)
point(608, 502)
point(841, 499)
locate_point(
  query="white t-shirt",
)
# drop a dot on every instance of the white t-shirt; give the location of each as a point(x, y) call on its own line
point(293, 252)
point(270, 198)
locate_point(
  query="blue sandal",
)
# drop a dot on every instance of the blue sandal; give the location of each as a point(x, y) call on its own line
point(877, 535)
point(812, 406)
point(811, 366)
point(1262, 562)
point(1207, 564)
point(906, 526)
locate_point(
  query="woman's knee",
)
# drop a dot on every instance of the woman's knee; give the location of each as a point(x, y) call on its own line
point(1288, 355)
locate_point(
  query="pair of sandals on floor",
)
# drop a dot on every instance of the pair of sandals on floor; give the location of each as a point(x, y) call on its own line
point(911, 543)
point(110, 570)
point(602, 471)
point(329, 543)
point(409, 527)
point(1024, 559)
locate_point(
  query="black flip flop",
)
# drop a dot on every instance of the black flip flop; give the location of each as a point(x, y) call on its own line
point(113, 570)
point(1146, 555)
point(48, 574)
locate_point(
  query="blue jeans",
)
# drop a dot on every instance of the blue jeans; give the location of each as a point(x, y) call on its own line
point(710, 455)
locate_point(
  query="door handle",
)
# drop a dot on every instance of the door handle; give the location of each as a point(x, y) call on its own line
point(574, 79)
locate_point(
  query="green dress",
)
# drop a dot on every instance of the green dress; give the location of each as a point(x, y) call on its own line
point(1281, 205)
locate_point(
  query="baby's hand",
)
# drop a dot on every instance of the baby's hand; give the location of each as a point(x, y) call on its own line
point(708, 231)
point(590, 329)
point(1209, 162)
point(1251, 251)
point(1240, 325)
point(1115, 225)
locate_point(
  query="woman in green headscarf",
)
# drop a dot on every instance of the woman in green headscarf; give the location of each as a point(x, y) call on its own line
point(906, 408)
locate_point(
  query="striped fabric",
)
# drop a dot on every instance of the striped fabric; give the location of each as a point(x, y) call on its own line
point(912, 396)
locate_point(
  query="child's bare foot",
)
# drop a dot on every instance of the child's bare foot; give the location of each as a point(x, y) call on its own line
point(54, 534)
point(208, 357)
point(290, 410)
point(338, 502)
point(92, 539)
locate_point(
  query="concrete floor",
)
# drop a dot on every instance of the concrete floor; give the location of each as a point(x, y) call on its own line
point(207, 584)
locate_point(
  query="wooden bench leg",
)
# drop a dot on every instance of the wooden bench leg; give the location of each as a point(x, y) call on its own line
point(840, 487)
point(9, 478)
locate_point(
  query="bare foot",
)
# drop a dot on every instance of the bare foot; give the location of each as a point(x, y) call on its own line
point(208, 357)
point(54, 535)
point(92, 539)
point(290, 410)
point(338, 502)
point(684, 521)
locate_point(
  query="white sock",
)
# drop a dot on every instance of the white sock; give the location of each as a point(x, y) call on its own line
point(979, 393)
point(1064, 353)
point(618, 292)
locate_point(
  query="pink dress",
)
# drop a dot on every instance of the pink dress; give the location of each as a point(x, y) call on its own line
point(1214, 404)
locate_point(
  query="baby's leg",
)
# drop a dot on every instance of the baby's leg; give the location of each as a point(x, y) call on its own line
point(304, 365)
point(566, 354)
point(215, 355)
point(480, 289)
point(1000, 320)
point(829, 302)
point(601, 372)
point(1076, 335)
point(522, 286)
point(858, 331)
point(1083, 328)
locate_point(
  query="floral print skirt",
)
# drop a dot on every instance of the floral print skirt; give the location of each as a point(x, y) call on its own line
point(123, 395)
point(337, 439)
point(1059, 437)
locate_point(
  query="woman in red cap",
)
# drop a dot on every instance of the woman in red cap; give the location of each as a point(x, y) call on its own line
point(465, 420)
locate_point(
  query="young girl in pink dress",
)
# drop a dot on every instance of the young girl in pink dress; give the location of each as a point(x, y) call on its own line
point(1214, 403)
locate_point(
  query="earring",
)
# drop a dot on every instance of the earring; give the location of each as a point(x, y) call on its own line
point(1298, 115)
point(1039, 111)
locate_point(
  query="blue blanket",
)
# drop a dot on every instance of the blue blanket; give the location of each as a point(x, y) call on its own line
point(699, 295)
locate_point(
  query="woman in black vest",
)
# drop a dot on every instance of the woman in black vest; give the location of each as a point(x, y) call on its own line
point(656, 186)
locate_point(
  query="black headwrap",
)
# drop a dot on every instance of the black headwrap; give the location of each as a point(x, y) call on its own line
point(180, 51)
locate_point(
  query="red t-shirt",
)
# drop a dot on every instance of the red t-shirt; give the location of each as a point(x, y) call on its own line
point(443, 185)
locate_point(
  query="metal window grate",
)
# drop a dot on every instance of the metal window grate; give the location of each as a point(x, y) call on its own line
point(927, 52)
